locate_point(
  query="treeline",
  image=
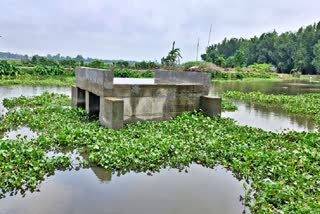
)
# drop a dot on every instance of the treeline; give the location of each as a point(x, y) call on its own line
point(49, 67)
point(290, 51)
point(57, 57)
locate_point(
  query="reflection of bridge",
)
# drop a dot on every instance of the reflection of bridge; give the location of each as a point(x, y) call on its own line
point(116, 103)
point(102, 174)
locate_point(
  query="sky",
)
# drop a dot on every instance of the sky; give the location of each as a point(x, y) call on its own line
point(141, 29)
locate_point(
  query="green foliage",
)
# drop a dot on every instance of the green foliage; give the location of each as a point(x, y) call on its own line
point(121, 64)
point(283, 169)
point(261, 67)
point(52, 70)
point(287, 51)
point(37, 80)
point(203, 65)
point(125, 72)
point(316, 59)
point(72, 63)
point(228, 106)
point(239, 59)
point(44, 61)
point(7, 69)
point(230, 62)
point(238, 75)
point(144, 65)
point(173, 57)
point(96, 64)
point(24, 165)
point(305, 103)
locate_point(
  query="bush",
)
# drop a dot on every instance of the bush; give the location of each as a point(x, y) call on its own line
point(200, 64)
point(121, 64)
point(145, 65)
point(8, 69)
point(240, 75)
point(96, 64)
point(261, 67)
point(125, 73)
point(50, 70)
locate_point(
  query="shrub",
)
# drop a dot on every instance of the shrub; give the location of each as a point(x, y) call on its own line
point(145, 65)
point(261, 67)
point(96, 64)
point(125, 73)
point(49, 70)
point(8, 69)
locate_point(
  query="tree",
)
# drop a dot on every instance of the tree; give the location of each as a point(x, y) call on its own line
point(239, 59)
point(316, 59)
point(173, 57)
point(287, 51)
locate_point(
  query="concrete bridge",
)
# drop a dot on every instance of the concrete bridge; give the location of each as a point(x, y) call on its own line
point(119, 101)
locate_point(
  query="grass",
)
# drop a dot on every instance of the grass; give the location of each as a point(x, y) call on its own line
point(283, 169)
point(37, 80)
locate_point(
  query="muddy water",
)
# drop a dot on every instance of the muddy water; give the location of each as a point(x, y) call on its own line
point(201, 190)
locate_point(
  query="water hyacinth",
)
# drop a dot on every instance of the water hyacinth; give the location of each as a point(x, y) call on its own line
point(283, 169)
point(304, 103)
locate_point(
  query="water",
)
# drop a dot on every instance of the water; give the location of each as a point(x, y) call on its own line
point(269, 119)
point(201, 190)
point(22, 132)
point(96, 190)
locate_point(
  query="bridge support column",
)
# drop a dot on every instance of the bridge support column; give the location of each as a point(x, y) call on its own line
point(92, 104)
point(111, 112)
point(78, 97)
point(210, 106)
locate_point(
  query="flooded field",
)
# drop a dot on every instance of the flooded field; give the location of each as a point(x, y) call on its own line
point(199, 190)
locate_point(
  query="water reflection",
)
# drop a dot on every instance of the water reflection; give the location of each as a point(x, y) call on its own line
point(22, 132)
point(267, 86)
point(201, 190)
point(270, 119)
point(267, 118)
point(18, 90)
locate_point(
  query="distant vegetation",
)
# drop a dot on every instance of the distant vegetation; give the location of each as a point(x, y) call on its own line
point(287, 51)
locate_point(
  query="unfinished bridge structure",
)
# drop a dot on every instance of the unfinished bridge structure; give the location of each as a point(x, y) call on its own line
point(119, 101)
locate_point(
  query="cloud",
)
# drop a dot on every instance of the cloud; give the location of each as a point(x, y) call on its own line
point(141, 29)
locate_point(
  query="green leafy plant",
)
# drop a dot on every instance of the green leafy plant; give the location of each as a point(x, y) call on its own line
point(282, 169)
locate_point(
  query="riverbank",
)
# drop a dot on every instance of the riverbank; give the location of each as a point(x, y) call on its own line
point(37, 80)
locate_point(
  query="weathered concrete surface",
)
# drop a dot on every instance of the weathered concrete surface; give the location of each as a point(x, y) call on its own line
point(111, 112)
point(211, 106)
point(171, 94)
point(94, 80)
point(157, 102)
point(163, 76)
point(78, 97)
point(92, 104)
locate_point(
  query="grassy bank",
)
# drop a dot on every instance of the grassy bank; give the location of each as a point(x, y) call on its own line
point(283, 169)
point(37, 80)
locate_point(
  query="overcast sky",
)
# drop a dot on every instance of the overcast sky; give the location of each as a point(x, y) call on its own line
point(141, 29)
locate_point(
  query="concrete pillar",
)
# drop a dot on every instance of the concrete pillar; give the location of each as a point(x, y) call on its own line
point(78, 97)
point(92, 104)
point(210, 106)
point(111, 112)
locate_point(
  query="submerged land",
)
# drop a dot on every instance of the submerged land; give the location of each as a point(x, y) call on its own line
point(279, 169)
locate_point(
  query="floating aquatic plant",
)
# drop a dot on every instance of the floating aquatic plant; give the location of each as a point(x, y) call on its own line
point(283, 169)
